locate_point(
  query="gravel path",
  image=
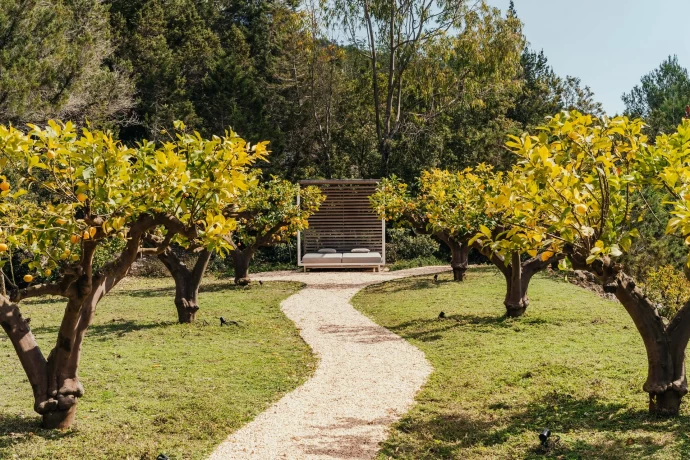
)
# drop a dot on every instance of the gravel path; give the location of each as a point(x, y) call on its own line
point(366, 379)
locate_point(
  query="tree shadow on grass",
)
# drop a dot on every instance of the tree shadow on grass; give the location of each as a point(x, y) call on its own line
point(16, 430)
point(416, 284)
point(217, 286)
point(429, 329)
point(43, 300)
point(560, 412)
point(116, 328)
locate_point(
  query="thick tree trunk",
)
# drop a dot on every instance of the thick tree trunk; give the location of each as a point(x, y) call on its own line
point(459, 259)
point(187, 282)
point(30, 356)
point(518, 275)
point(56, 389)
point(241, 259)
point(55, 381)
point(516, 301)
point(459, 251)
point(666, 382)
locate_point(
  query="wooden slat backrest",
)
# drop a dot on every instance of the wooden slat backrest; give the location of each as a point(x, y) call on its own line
point(345, 220)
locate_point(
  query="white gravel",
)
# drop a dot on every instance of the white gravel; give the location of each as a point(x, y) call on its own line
point(366, 379)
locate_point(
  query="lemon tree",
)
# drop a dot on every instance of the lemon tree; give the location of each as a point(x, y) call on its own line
point(583, 179)
point(464, 209)
point(394, 201)
point(74, 191)
point(268, 213)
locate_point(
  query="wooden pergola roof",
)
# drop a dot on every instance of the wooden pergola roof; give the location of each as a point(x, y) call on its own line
point(345, 219)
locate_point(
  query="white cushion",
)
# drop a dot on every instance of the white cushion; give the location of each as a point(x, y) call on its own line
point(360, 258)
point(313, 259)
point(327, 251)
point(360, 250)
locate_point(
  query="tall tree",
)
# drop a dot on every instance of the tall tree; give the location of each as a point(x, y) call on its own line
point(96, 190)
point(435, 41)
point(56, 61)
point(661, 97)
point(395, 32)
point(580, 98)
point(171, 49)
point(541, 93)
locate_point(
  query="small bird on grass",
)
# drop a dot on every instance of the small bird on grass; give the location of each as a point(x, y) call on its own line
point(436, 278)
point(442, 315)
point(162, 457)
point(225, 322)
point(261, 283)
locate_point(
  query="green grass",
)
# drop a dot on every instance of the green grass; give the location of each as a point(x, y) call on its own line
point(155, 386)
point(418, 262)
point(574, 364)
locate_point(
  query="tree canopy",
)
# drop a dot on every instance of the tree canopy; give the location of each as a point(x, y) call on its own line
point(72, 193)
point(336, 98)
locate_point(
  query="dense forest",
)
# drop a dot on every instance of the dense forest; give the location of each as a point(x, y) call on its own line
point(340, 89)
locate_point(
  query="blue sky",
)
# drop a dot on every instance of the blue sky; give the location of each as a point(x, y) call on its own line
point(609, 44)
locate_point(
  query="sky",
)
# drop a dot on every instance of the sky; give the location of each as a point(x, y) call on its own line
point(608, 44)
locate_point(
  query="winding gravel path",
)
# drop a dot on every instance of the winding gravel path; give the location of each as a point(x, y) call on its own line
point(366, 379)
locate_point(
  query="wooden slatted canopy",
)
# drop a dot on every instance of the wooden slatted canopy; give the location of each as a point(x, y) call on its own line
point(345, 219)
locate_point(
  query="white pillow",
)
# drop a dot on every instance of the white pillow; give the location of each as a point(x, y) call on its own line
point(360, 250)
point(327, 251)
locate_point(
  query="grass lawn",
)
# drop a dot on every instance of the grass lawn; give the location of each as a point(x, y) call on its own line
point(154, 386)
point(574, 364)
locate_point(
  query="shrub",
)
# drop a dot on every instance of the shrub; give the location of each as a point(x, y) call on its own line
point(403, 244)
point(667, 286)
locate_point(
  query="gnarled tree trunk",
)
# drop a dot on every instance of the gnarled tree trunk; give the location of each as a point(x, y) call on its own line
point(459, 259)
point(666, 382)
point(187, 282)
point(516, 300)
point(240, 260)
point(459, 251)
point(55, 381)
point(518, 275)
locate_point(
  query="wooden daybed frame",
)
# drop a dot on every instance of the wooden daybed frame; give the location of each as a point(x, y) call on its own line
point(344, 222)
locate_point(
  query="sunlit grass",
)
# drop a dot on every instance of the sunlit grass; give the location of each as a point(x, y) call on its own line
point(154, 386)
point(574, 364)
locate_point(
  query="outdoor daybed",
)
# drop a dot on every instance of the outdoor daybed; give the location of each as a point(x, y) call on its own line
point(345, 232)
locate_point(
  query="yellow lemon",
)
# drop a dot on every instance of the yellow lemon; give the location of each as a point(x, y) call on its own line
point(28, 278)
point(4, 186)
point(581, 209)
point(82, 197)
point(3, 247)
point(48, 272)
point(74, 239)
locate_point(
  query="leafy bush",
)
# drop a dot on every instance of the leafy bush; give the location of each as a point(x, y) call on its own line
point(278, 257)
point(403, 244)
point(667, 286)
point(654, 247)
